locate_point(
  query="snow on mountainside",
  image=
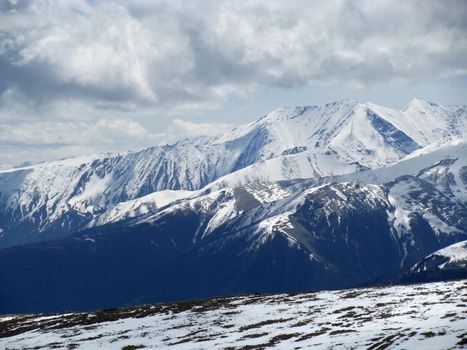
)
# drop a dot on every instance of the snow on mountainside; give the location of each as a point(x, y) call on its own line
point(456, 253)
point(140, 206)
point(453, 255)
point(303, 165)
point(415, 162)
point(426, 122)
point(449, 163)
point(60, 197)
point(428, 316)
point(444, 264)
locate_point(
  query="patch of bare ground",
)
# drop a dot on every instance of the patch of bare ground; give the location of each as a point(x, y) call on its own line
point(263, 323)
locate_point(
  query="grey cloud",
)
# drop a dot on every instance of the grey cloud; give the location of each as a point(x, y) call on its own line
point(38, 82)
point(161, 54)
point(92, 61)
point(13, 5)
point(213, 66)
point(338, 67)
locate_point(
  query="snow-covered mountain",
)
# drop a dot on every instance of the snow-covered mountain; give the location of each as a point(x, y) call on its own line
point(58, 198)
point(454, 256)
point(431, 188)
point(444, 264)
point(319, 197)
point(305, 233)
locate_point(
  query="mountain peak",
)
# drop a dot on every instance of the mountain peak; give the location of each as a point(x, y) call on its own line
point(418, 103)
point(342, 102)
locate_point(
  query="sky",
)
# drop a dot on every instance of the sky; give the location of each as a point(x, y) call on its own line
point(91, 76)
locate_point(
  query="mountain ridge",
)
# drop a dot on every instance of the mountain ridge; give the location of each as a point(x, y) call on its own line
point(56, 195)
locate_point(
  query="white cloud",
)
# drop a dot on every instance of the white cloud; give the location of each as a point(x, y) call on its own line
point(78, 61)
point(25, 141)
point(187, 128)
point(153, 54)
point(43, 140)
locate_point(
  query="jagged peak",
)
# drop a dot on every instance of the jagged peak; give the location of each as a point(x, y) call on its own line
point(294, 111)
point(418, 103)
point(286, 112)
point(345, 100)
point(341, 102)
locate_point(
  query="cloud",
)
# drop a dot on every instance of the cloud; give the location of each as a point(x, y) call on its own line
point(179, 55)
point(26, 140)
point(48, 140)
point(96, 64)
point(186, 128)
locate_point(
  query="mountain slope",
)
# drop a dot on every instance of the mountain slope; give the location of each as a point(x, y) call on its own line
point(428, 316)
point(444, 264)
point(219, 241)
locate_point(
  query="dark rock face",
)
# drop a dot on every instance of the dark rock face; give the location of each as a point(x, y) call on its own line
point(463, 174)
point(144, 264)
point(393, 136)
point(351, 235)
point(294, 150)
point(425, 201)
point(20, 231)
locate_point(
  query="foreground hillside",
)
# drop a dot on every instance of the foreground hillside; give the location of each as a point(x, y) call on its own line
point(426, 316)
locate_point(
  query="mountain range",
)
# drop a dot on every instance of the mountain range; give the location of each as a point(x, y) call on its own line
point(314, 197)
